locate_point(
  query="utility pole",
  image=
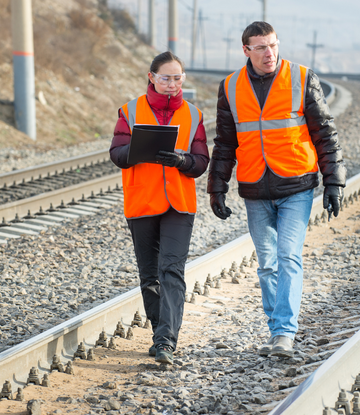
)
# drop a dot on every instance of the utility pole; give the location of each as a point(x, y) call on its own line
point(193, 43)
point(139, 16)
point(152, 25)
point(228, 41)
point(173, 26)
point(23, 63)
point(202, 31)
point(264, 17)
point(314, 46)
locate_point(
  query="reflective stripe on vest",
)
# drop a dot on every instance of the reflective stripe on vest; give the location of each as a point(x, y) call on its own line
point(150, 189)
point(277, 135)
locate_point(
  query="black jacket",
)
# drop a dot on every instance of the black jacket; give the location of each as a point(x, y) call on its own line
point(323, 134)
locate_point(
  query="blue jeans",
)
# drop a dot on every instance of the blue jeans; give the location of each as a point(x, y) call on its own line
point(278, 229)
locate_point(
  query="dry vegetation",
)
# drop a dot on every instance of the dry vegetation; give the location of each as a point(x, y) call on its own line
point(88, 62)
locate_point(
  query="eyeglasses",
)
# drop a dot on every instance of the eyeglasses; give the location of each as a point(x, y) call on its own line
point(161, 79)
point(263, 48)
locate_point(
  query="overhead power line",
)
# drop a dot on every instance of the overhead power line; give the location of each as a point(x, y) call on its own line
point(186, 6)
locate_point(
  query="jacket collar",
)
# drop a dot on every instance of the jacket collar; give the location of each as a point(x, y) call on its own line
point(161, 101)
point(254, 75)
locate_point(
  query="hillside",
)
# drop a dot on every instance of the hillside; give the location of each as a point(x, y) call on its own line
point(88, 62)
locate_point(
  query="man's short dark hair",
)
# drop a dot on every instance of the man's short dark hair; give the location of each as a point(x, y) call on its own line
point(256, 29)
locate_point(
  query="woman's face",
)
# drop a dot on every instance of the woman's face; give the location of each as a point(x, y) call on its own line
point(174, 85)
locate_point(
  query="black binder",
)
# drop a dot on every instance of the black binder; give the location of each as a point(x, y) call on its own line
point(148, 140)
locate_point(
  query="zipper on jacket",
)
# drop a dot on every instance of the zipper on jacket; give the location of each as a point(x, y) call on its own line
point(167, 108)
point(262, 90)
point(166, 123)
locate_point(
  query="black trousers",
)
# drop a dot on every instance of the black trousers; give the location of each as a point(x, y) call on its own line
point(161, 246)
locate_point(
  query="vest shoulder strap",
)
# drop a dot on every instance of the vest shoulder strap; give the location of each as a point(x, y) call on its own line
point(130, 112)
point(230, 90)
point(196, 117)
point(299, 75)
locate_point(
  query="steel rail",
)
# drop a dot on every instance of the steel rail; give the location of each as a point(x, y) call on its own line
point(8, 211)
point(329, 91)
point(21, 207)
point(43, 170)
point(63, 339)
point(322, 387)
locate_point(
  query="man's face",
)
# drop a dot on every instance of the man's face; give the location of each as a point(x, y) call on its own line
point(264, 61)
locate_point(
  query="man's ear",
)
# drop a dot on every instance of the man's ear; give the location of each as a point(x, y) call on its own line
point(246, 52)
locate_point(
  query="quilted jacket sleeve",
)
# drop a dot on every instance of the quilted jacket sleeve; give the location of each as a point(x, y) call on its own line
point(197, 160)
point(223, 157)
point(323, 133)
point(119, 148)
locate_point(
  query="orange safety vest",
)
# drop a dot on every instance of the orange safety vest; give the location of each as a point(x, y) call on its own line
point(276, 136)
point(150, 189)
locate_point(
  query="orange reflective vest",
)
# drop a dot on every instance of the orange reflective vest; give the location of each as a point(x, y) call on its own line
point(150, 189)
point(276, 136)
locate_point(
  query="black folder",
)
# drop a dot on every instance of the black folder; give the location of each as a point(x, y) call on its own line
point(147, 140)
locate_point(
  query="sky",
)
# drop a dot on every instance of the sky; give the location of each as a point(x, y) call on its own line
point(336, 22)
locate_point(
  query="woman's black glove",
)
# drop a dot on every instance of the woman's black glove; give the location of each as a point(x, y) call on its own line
point(170, 159)
point(217, 202)
point(333, 197)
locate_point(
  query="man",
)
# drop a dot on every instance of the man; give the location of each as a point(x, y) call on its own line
point(272, 118)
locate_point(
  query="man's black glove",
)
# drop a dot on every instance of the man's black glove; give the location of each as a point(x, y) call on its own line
point(217, 202)
point(170, 159)
point(333, 197)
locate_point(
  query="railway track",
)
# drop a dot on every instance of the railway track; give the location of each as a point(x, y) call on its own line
point(64, 338)
point(48, 189)
point(331, 362)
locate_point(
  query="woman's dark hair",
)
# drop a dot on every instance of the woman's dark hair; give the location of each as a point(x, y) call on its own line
point(165, 57)
point(256, 29)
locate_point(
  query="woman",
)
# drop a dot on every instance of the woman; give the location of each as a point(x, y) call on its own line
point(160, 199)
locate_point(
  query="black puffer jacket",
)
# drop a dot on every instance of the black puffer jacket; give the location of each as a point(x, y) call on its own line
point(322, 131)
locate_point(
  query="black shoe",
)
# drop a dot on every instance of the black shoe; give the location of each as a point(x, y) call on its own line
point(282, 347)
point(164, 354)
point(152, 350)
point(266, 348)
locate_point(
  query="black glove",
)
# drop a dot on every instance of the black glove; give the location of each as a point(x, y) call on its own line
point(333, 197)
point(217, 202)
point(170, 159)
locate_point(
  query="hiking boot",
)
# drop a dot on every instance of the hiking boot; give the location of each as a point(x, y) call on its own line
point(282, 347)
point(164, 354)
point(152, 350)
point(266, 348)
